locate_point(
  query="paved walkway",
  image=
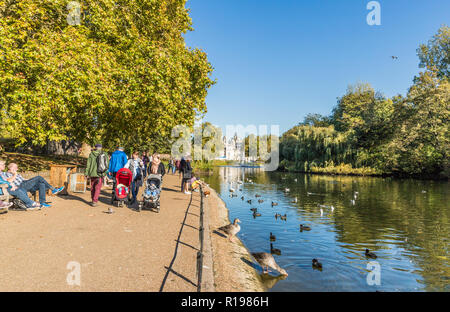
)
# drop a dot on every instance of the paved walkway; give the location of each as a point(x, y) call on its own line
point(123, 251)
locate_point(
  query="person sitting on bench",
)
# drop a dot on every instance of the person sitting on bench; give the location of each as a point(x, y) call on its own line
point(19, 187)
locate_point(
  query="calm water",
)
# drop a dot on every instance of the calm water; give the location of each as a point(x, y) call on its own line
point(405, 222)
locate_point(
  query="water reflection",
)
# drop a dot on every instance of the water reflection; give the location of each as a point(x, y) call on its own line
point(404, 222)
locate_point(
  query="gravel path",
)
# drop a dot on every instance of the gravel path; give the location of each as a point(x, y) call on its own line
point(123, 251)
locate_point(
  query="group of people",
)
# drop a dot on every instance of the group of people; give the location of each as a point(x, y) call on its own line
point(19, 187)
point(99, 166)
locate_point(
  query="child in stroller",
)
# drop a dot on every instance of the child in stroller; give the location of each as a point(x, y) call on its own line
point(152, 192)
point(122, 185)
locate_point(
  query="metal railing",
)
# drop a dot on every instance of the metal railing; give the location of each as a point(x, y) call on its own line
point(201, 235)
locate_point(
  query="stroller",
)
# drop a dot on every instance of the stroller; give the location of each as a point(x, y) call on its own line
point(152, 192)
point(122, 184)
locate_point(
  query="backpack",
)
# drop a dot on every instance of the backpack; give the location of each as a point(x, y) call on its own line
point(102, 163)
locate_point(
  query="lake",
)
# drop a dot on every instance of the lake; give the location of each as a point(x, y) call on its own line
point(406, 223)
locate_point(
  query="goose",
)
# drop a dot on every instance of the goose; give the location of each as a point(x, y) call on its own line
point(266, 260)
point(316, 264)
point(284, 218)
point(231, 229)
point(260, 201)
point(370, 254)
point(249, 201)
point(304, 228)
point(274, 204)
point(295, 200)
point(272, 237)
point(275, 251)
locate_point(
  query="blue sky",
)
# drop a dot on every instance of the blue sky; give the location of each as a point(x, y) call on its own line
point(276, 61)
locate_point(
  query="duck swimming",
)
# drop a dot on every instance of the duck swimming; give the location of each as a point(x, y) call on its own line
point(231, 229)
point(266, 260)
point(249, 201)
point(277, 215)
point(370, 254)
point(316, 264)
point(294, 200)
point(260, 201)
point(287, 190)
point(272, 237)
point(256, 214)
point(274, 204)
point(275, 251)
point(304, 228)
point(242, 197)
point(254, 209)
point(284, 218)
point(257, 195)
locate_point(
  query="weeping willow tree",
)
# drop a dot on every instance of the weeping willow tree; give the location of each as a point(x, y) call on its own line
point(304, 147)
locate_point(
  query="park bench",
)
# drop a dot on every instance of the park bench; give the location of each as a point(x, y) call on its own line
point(5, 196)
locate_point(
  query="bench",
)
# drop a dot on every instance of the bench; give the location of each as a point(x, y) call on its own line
point(5, 196)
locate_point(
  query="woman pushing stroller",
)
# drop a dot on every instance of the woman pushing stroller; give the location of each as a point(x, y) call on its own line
point(136, 166)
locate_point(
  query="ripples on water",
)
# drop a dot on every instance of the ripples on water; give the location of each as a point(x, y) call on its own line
point(405, 222)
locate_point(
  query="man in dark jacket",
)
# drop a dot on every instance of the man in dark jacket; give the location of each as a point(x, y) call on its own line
point(94, 175)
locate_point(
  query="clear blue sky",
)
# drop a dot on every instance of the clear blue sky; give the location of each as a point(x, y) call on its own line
point(276, 61)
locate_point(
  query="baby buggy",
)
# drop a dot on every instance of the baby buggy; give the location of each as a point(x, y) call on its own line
point(151, 193)
point(122, 184)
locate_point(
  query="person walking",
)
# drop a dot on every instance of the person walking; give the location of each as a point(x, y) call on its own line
point(157, 167)
point(96, 169)
point(171, 165)
point(117, 162)
point(186, 169)
point(136, 166)
point(146, 161)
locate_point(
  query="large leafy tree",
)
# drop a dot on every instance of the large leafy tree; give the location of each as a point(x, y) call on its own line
point(122, 75)
point(435, 55)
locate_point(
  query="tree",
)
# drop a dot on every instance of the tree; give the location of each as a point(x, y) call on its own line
point(316, 120)
point(123, 76)
point(435, 56)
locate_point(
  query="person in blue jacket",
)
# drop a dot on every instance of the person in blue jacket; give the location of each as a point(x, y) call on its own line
point(117, 162)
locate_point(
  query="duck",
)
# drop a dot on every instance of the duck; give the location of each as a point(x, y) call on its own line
point(321, 212)
point(231, 190)
point(206, 193)
point(275, 251)
point(256, 214)
point(287, 190)
point(274, 204)
point(295, 180)
point(266, 260)
point(332, 208)
point(249, 201)
point(370, 254)
point(284, 218)
point(257, 195)
point(316, 264)
point(254, 209)
point(295, 200)
point(272, 237)
point(231, 229)
point(304, 228)
point(242, 197)
point(352, 201)
point(260, 201)
point(277, 215)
